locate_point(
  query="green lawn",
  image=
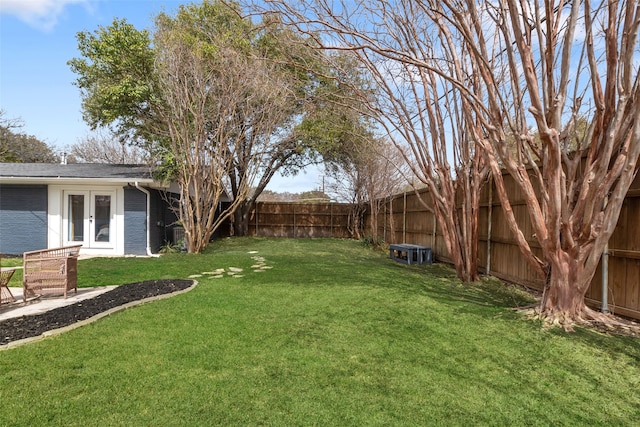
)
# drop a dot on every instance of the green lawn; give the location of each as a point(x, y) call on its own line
point(10, 262)
point(332, 334)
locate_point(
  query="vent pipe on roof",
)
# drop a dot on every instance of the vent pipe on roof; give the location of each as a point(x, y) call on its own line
point(63, 158)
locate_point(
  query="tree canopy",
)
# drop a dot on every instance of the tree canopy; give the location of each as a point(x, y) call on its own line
point(18, 147)
point(220, 100)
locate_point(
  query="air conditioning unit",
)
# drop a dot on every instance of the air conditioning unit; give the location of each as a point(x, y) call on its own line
point(178, 234)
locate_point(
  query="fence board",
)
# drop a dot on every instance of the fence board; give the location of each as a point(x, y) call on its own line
point(633, 284)
point(298, 220)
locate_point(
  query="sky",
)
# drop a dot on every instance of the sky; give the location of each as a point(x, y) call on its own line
point(38, 38)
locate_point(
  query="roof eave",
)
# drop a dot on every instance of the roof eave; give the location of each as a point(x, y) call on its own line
point(87, 181)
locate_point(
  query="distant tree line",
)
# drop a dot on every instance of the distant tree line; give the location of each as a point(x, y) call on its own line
point(18, 147)
point(312, 196)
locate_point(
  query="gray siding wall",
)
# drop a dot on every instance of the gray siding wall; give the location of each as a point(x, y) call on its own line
point(135, 222)
point(23, 218)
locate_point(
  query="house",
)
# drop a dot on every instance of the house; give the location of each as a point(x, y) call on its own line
point(109, 209)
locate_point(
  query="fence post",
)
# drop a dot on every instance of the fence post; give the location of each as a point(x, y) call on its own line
point(392, 224)
point(331, 218)
point(605, 273)
point(489, 215)
point(434, 233)
point(404, 219)
point(384, 224)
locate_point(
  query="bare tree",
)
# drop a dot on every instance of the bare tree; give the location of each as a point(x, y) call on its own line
point(549, 66)
point(508, 67)
point(384, 174)
point(526, 76)
point(365, 175)
point(104, 146)
point(207, 96)
point(417, 107)
point(345, 182)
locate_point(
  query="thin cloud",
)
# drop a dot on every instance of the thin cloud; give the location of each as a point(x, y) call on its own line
point(40, 14)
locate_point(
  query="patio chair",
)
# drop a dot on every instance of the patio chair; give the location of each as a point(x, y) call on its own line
point(50, 271)
point(5, 276)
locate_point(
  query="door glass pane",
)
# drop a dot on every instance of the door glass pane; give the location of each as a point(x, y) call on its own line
point(76, 218)
point(102, 217)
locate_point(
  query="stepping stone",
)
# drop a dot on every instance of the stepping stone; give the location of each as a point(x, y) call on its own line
point(195, 276)
point(235, 269)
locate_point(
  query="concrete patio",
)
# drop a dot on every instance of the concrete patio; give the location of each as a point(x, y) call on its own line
point(46, 302)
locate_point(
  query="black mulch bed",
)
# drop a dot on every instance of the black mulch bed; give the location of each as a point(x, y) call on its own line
point(35, 325)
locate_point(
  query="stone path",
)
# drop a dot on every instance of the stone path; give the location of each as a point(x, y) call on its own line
point(260, 266)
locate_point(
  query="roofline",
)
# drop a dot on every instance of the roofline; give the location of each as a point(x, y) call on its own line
point(66, 180)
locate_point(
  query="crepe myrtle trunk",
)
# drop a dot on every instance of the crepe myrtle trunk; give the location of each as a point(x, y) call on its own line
point(566, 286)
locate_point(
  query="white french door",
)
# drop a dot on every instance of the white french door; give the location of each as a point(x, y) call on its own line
point(89, 218)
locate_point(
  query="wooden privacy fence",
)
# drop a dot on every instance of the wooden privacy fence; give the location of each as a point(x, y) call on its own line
point(405, 219)
point(300, 220)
